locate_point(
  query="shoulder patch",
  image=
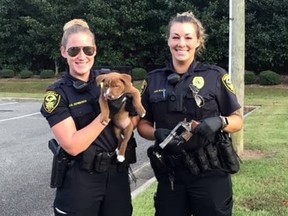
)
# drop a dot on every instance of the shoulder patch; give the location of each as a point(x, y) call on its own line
point(198, 81)
point(143, 86)
point(227, 83)
point(51, 101)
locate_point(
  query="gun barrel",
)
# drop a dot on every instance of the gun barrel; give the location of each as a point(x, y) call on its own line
point(181, 130)
point(167, 140)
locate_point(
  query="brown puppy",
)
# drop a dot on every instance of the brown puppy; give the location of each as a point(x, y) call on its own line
point(114, 86)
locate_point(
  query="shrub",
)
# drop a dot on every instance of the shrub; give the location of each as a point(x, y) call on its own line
point(46, 74)
point(250, 77)
point(138, 73)
point(24, 74)
point(7, 73)
point(269, 78)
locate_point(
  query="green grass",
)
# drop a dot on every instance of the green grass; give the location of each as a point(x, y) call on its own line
point(261, 186)
point(28, 88)
point(24, 88)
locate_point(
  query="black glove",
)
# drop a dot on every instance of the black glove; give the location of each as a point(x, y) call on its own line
point(160, 134)
point(208, 127)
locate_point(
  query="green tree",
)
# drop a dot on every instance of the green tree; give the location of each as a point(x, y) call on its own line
point(133, 32)
point(267, 35)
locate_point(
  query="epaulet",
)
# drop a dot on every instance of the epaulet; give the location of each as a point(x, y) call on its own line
point(158, 71)
point(56, 84)
point(201, 67)
point(217, 69)
point(154, 71)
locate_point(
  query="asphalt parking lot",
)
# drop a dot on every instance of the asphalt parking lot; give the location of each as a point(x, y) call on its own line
point(25, 161)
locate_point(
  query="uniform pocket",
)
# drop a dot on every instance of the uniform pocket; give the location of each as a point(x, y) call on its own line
point(159, 106)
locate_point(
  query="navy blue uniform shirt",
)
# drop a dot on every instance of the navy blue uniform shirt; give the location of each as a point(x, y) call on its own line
point(168, 102)
point(70, 97)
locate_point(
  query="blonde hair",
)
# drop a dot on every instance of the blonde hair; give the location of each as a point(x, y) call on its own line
point(75, 26)
point(188, 17)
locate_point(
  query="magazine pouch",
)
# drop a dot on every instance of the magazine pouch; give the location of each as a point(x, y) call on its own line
point(227, 155)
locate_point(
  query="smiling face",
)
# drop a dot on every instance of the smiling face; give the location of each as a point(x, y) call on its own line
point(183, 42)
point(81, 64)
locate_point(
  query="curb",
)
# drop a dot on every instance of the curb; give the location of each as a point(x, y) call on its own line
point(143, 187)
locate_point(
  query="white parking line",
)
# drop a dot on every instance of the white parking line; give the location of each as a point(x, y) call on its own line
point(3, 104)
point(141, 167)
point(20, 117)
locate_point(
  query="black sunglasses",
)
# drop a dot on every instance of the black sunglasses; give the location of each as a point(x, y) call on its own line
point(74, 51)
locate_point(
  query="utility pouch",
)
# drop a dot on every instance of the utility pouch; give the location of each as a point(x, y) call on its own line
point(229, 157)
point(59, 164)
point(212, 155)
point(88, 157)
point(202, 159)
point(102, 162)
point(130, 154)
point(157, 161)
point(191, 164)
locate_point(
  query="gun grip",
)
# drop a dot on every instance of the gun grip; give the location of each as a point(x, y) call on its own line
point(54, 146)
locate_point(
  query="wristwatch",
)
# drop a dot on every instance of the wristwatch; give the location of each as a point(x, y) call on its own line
point(225, 122)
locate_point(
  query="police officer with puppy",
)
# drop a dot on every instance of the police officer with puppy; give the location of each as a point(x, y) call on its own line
point(88, 178)
point(193, 174)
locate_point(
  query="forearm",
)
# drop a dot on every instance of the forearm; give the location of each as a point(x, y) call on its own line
point(146, 129)
point(235, 121)
point(76, 141)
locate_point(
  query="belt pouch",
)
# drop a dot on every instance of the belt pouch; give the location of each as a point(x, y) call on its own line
point(202, 159)
point(102, 162)
point(229, 157)
point(213, 156)
point(191, 164)
point(157, 161)
point(130, 154)
point(88, 157)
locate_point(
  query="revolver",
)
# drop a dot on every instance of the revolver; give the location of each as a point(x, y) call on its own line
point(181, 132)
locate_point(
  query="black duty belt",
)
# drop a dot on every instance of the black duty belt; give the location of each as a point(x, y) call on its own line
point(97, 161)
point(103, 161)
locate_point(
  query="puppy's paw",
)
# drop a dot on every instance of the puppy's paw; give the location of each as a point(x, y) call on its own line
point(141, 111)
point(120, 158)
point(104, 123)
point(104, 120)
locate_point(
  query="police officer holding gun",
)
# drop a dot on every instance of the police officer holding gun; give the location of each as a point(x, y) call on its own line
point(88, 179)
point(191, 109)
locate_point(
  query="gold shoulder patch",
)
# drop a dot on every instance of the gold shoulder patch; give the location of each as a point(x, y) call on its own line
point(198, 81)
point(51, 101)
point(143, 86)
point(227, 83)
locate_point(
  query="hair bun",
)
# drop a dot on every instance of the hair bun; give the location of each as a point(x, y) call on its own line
point(73, 22)
point(187, 13)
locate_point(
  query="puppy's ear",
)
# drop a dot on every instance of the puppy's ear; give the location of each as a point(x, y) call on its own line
point(126, 79)
point(100, 79)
